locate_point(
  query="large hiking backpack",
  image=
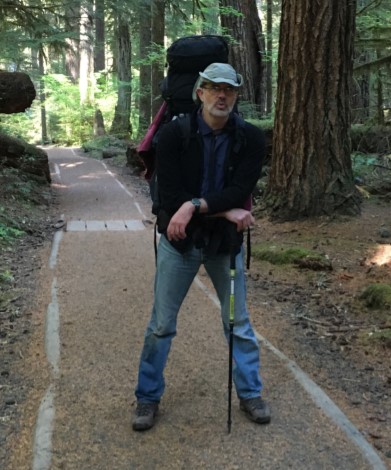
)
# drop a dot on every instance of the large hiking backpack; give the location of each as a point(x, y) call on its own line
point(186, 57)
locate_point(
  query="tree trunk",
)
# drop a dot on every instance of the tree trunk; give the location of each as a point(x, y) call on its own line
point(72, 15)
point(158, 20)
point(269, 61)
point(360, 99)
point(145, 68)
point(380, 100)
point(86, 56)
point(17, 92)
point(42, 97)
point(311, 171)
point(121, 126)
point(99, 124)
point(247, 49)
point(99, 49)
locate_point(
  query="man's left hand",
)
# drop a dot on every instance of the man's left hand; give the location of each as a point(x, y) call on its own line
point(241, 217)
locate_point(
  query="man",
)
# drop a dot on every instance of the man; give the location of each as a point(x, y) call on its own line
point(203, 190)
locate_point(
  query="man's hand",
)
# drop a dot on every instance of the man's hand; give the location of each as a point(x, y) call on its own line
point(242, 218)
point(176, 229)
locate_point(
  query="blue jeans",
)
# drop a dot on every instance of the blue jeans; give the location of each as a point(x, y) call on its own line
point(174, 275)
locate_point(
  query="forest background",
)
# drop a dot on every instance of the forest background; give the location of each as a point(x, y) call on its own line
point(317, 80)
point(309, 72)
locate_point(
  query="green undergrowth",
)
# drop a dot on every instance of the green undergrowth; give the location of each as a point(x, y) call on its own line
point(95, 146)
point(6, 276)
point(382, 337)
point(11, 226)
point(282, 255)
point(9, 234)
point(377, 299)
point(377, 296)
point(22, 198)
point(376, 338)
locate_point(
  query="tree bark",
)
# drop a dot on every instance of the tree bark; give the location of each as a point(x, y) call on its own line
point(42, 97)
point(86, 56)
point(17, 92)
point(121, 126)
point(247, 48)
point(311, 173)
point(269, 61)
point(99, 124)
point(145, 68)
point(72, 15)
point(158, 20)
point(99, 49)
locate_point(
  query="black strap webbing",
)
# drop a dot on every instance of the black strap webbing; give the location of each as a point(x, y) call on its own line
point(155, 241)
point(248, 254)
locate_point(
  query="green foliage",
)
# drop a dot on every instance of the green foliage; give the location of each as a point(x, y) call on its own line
point(265, 124)
point(6, 277)
point(281, 255)
point(373, 26)
point(26, 28)
point(249, 111)
point(382, 337)
point(363, 163)
point(96, 145)
point(8, 234)
point(68, 122)
point(156, 54)
point(185, 18)
point(20, 186)
point(377, 296)
point(24, 126)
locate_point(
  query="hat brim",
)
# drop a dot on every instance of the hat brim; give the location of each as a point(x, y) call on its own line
point(234, 83)
point(204, 77)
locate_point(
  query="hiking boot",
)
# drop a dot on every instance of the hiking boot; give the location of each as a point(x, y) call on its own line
point(144, 416)
point(256, 409)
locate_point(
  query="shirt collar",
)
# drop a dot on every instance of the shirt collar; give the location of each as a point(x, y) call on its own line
point(204, 129)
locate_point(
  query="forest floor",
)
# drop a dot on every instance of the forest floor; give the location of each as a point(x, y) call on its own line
point(319, 319)
point(316, 318)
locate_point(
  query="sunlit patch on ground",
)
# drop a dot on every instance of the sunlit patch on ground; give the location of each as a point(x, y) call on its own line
point(382, 255)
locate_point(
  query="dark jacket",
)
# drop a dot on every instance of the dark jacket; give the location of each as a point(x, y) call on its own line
point(179, 175)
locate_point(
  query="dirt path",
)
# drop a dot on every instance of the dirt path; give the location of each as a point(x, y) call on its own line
point(94, 303)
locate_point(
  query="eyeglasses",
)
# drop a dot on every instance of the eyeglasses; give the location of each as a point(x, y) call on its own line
point(215, 90)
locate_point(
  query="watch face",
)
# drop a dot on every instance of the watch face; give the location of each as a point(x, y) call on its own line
point(197, 203)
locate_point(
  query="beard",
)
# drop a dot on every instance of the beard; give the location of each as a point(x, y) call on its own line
point(214, 110)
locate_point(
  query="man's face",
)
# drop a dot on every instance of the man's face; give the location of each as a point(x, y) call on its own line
point(218, 98)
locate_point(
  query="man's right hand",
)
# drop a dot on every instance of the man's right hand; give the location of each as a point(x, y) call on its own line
point(176, 229)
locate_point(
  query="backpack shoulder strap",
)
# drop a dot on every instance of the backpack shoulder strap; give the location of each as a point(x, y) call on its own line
point(184, 126)
point(240, 136)
point(183, 122)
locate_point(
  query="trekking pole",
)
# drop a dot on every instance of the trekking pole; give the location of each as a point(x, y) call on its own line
point(231, 326)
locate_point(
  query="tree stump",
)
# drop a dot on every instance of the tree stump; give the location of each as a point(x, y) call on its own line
point(99, 124)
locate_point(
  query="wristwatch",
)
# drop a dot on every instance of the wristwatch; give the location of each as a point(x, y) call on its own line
point(197, 204)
